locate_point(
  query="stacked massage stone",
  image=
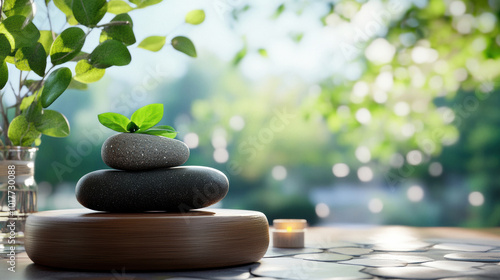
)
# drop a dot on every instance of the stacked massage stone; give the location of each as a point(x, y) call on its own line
point(144, 218)
point(147, 176)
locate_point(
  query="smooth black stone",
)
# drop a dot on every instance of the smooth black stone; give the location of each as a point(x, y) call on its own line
point(135, 151)
point(176, 189)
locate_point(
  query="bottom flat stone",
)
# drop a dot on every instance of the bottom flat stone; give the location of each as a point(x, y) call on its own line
point(90, 240)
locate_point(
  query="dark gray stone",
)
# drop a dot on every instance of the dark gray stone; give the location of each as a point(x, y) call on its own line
point(176, 189)
point(135, 151)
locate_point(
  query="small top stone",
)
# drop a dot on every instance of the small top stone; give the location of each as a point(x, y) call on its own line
point(135, 151)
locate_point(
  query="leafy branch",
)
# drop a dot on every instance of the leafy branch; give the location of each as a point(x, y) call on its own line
point(26, 47)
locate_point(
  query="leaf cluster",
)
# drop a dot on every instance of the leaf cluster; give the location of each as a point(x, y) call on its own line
point(142, 121)
point(59, 62)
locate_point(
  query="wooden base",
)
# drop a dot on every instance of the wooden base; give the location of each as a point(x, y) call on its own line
point(89, 240)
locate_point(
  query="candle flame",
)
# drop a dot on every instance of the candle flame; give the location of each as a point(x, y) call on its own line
point(289, 229)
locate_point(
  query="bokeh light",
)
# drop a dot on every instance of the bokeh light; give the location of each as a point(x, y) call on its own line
point(340, 170)
point(322, 210)
point(365, 174)
point(415, 193)
point(192, 140)
point(476, 199)
point(279, 172)
point(375, 205)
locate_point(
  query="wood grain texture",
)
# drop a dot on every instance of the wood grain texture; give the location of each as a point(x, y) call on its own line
point(89, 240)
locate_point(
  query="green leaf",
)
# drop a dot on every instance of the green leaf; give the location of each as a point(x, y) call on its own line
point(52, 123)
point(4, 75)
point(114, 121)
point(65, 7)
point(46, 40)
point(184, 45)
point(263, 52)
point(21, 132)
point(26, 102)
point(86, 73)
point(195, 17)
point(122, 33)
point(18, 7)
point(32, 58)
point(77, 85)
point(118, 7)
point(161, 130)
point(89, 12)
point(279, 10)
point(33, 112)
point(240, 55)
point(57, 82)
point(110, 53)
point(148, 116)
point(18, 34)
point(67, 45)
point(153, 43)
point(132, 127)
point(145, 3)
point(5, 49)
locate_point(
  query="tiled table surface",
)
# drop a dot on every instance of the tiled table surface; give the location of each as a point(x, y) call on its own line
point(334, 253)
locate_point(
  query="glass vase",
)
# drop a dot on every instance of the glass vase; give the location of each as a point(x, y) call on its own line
point(18, 192)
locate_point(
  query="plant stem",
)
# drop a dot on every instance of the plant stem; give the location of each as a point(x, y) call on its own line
point(113, 23)
point(50, 22)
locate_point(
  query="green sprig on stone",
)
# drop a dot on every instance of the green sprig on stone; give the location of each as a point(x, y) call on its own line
point(142, 121)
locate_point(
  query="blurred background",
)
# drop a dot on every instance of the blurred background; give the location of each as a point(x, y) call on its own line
point(339, 112)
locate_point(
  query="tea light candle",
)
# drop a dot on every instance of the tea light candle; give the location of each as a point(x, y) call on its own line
point(289, 233)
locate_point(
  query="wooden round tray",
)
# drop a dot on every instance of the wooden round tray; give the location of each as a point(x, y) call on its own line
point(89, 240)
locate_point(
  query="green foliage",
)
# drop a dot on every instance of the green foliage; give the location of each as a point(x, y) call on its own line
point(46, 40)
point(144, 3)
point(142, 121)
point(153, 43)
point(86, 73)
point(17, 33)
point(89, 12)
point(148, 116)
point(184, 45)
point(114, 121)
point(52, 123)
point(67, 45)
point(18, 7)
point(121, 32)
point(32, 58)
point(57, 82)
point(118, 7)
point(195, 17)
point(21, 132)
point(5, 50)
point(240, 55)
point(27, 47)
point(110, 53)
point(4, 75)
point(262, 52)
